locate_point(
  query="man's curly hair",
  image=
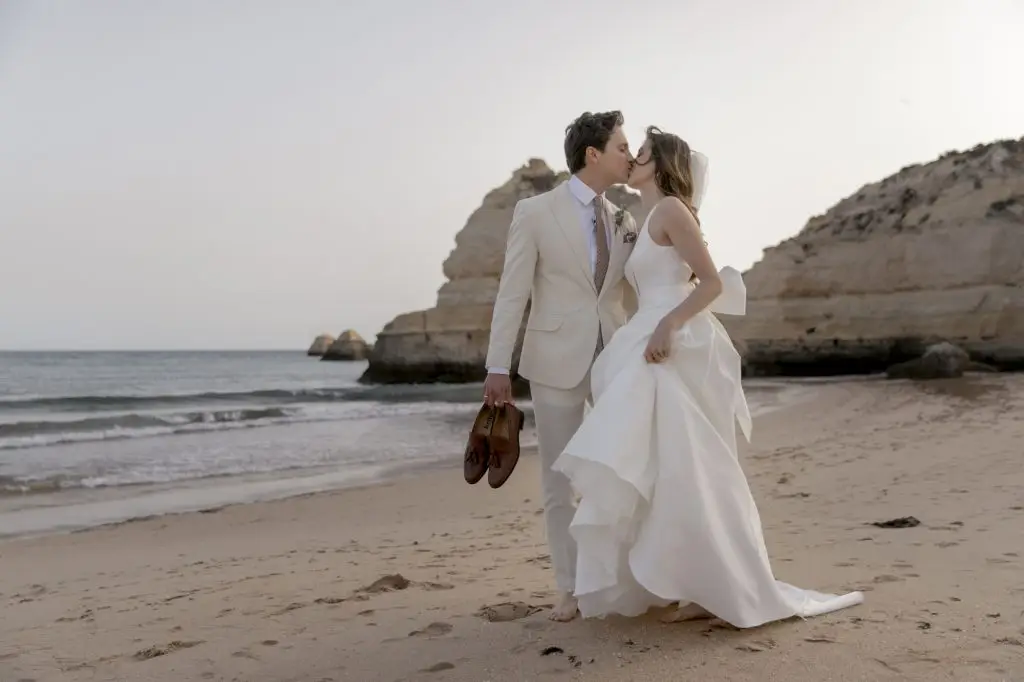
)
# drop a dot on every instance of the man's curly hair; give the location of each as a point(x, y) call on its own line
point(588, 130)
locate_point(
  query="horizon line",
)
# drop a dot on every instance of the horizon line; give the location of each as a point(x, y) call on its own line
point(152, 350)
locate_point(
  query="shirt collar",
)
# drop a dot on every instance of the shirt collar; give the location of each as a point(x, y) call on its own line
point(581, 191)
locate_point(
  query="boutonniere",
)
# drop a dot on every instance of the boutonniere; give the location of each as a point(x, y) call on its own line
point(628, 236)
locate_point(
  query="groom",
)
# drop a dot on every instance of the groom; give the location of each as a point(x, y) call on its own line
point(566, 250)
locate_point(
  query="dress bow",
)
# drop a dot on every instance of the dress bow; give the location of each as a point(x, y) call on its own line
point(733, 299)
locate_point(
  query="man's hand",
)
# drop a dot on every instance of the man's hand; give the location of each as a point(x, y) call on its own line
point(498, 390)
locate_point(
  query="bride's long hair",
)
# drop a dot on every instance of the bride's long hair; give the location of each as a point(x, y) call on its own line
point(673, 173)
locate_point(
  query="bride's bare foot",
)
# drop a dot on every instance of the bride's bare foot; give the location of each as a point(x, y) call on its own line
point(689, 612)
point(565, 610)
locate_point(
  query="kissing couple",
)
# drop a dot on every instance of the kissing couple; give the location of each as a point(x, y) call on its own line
point(624, 319)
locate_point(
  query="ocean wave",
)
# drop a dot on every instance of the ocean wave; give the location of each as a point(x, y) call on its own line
point(105, 403)
point(55, 430)
point(25, 434)
point(137, 421)
point(102, 403)
point(54, 483)
point(10, 485)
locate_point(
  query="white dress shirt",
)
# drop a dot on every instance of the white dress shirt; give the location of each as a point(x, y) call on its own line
point(585, 204)
point(584, 196)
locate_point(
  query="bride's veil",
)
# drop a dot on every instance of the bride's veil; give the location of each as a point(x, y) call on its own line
point(699, 168)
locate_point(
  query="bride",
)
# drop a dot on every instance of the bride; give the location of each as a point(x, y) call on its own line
point(666, 516)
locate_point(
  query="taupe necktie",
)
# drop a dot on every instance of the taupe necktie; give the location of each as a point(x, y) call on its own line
point(601, 262)
point(601, 242)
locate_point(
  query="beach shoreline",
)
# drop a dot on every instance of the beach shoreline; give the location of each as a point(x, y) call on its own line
point(424, 577)
point(37, 513)
point(61, 513)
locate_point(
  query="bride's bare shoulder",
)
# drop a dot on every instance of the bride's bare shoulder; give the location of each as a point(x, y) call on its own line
point(674, 211)
point(670, 219)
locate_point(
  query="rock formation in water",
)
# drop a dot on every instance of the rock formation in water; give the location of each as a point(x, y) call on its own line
point(348, 346)
point(932, 253)
point(448, 343)
point(320, 345)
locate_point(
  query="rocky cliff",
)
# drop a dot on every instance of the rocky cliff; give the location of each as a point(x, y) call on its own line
point(934, 252)
point(448, 343)
point(349, 346)
point(320, 345)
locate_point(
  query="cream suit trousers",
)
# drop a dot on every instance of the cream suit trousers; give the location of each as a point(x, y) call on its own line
point(559, 413)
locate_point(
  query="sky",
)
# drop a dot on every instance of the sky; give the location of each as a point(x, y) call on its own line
point(214, 174)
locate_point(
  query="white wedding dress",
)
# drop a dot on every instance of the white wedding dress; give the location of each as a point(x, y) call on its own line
point(666, 514)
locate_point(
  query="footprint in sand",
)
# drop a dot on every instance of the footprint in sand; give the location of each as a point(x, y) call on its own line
point(387, 583)
point(155, 651)
point(507, 611)
point(432, 587)
point(433, 630)
point(886, 578)
point(290, 607)
point(757, 646)
point(438, 667)
point(820, 639)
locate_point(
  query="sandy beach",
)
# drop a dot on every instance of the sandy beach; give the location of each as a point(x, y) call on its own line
point(427, 578)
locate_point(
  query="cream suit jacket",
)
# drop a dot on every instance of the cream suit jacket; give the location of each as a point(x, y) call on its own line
point(547, 261)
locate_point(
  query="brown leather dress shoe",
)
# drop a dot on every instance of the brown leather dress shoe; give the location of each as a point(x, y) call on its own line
point(477, 451)
point(504, 445)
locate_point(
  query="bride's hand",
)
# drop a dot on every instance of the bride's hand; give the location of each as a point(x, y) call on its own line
point(660, 344)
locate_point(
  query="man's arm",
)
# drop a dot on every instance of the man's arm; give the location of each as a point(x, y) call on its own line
point(513, 294)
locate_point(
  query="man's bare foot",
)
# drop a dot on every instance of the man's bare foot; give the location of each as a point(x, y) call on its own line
point(565, 610)
point(683, 613)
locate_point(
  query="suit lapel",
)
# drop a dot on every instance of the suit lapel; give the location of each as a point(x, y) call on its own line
point(616, 259)
point(564, 209)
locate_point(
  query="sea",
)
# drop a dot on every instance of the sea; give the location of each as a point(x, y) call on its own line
point(90, 438)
